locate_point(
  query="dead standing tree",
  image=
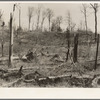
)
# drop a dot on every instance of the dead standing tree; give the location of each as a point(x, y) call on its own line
point(19, 17)
point(95, 67)
point(95, 7)
point(68, 20)
point(70, 23)
point(81, 25)
point(11, 37)
point(68, 41)
point(19, 8)
point(30, 15)
point(44, 15)
point(75, 48)
point(38, 12)
point(2, 41)
point(2, 25)
point(11, 41)
point(50, 14)
point(59, 20)
point(84, 11)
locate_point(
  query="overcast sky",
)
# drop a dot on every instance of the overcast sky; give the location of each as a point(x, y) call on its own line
point(58, 8)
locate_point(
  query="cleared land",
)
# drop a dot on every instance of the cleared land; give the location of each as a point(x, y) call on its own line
point(49, 67)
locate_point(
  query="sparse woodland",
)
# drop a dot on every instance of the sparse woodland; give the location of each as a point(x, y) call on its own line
point(50, 57)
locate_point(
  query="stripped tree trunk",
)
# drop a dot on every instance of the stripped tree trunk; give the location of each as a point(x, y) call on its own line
point(95, 67)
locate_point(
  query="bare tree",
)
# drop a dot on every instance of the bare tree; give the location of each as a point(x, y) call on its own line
point(11, 37)
point(44, 15)
point(95, 7)
point(33, 25)
point(50, 14)
point(68, 43)
point(11, 41)
point(71, 24)
point(84, 11)
point(59, 20)
point(38, 12)
point(19, 8)
point(81, 25)
point(2, 25)
point(69, 20)
point(54, 24)
point(30, 15)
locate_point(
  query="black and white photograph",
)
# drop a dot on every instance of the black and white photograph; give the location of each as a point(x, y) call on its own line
point(49, 45)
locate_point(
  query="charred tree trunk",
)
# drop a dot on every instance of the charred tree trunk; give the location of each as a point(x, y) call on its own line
point(68, 41)
point(75, 48)
point(95, 24)
point(11, 41)
point(95, 67)
point(2, 45)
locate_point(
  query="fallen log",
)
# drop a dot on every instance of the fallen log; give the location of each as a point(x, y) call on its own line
point(29, 81)
point(25, 68)
point(78, 81)
point(83, 81)
point(62, 76)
